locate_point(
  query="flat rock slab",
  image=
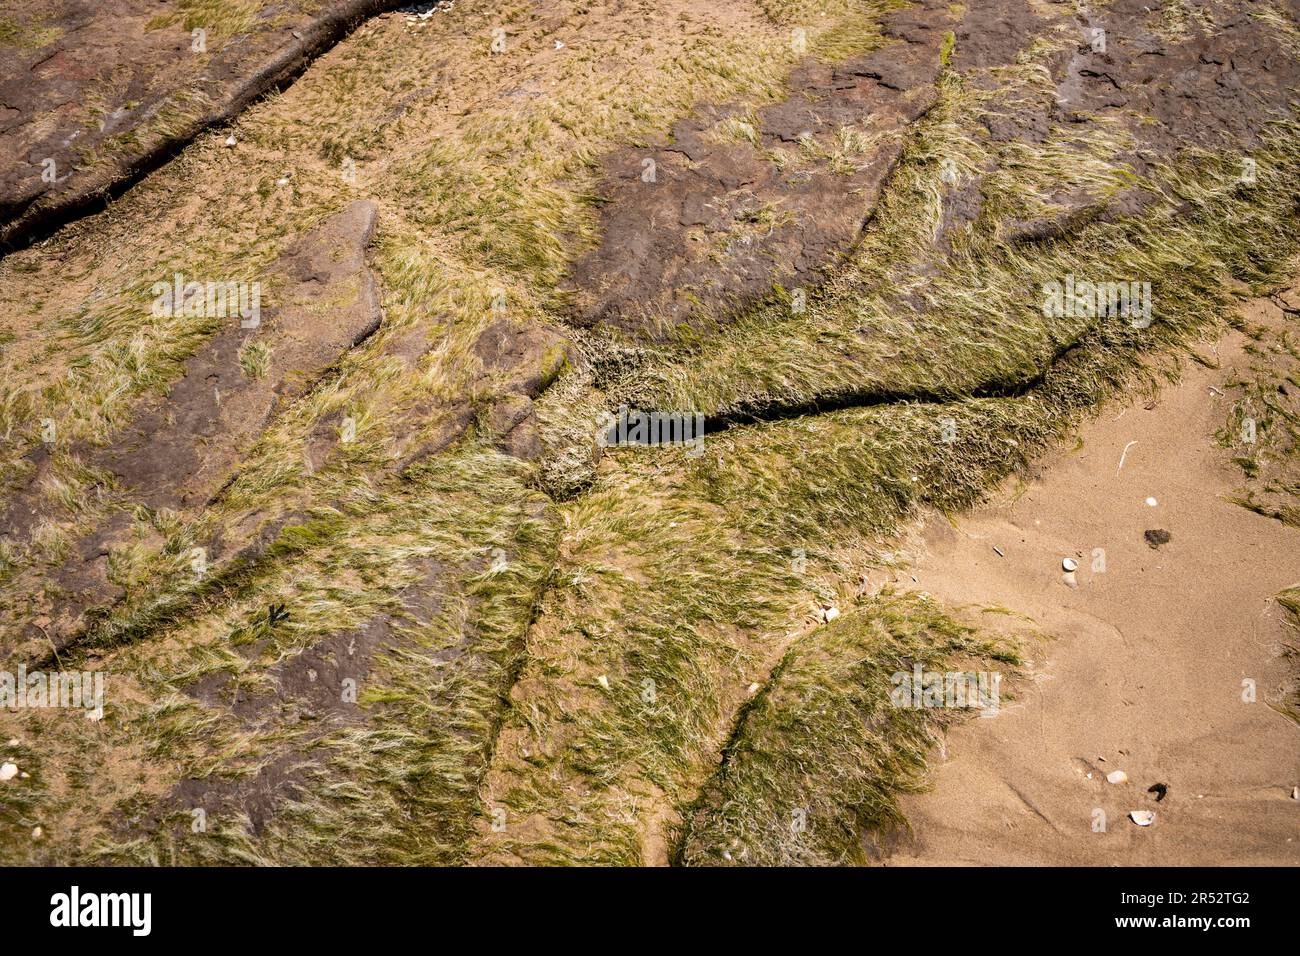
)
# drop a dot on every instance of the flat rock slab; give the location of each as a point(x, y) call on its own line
point(316, 685)
point(182, 446)
point(1209, 87)
point(95, 92)
point(697, 225)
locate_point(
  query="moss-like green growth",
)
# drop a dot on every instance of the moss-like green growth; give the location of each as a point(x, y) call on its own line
point(220, 18)
point(27, 36)
point(1263, 422)
point(945, 51)
point(554, 362)
point(569, 704)
point(812, 772)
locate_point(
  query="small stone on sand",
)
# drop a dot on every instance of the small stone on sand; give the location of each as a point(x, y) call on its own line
point(1117, 776)
point(1155, 537)
point(8, 770)
point(1151, 502)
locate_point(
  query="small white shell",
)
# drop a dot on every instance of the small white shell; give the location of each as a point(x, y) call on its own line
point(1070, 564)
point(1117, 776)
point(1143, 818)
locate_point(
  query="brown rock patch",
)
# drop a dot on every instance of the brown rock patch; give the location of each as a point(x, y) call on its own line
point(105, 92)
point(697, 224)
